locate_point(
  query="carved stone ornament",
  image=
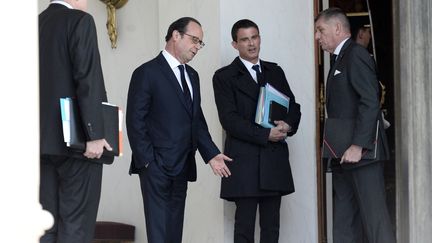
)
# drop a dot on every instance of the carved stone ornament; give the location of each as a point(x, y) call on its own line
point(111, 24)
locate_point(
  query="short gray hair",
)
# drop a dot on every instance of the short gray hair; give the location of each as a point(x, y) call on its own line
point(335, 13)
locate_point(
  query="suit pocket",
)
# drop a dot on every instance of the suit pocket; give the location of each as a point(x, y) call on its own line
point(161, 149)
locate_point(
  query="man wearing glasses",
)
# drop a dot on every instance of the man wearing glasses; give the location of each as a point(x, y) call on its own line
point(166, 126)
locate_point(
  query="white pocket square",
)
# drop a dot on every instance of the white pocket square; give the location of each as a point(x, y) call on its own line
point(336, 72)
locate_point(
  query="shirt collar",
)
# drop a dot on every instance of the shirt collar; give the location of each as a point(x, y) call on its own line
point(172, 61)
point(62, 3)
point(339, 47)
point(249, 65)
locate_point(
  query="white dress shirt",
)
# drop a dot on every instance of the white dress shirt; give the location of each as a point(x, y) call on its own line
point(174, 63)
point(249, 65)
point(62, 3)
point(339, 47)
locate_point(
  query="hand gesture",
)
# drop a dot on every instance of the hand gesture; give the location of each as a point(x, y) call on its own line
point(218, 165)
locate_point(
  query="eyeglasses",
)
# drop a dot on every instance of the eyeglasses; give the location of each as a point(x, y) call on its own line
point(195, 40)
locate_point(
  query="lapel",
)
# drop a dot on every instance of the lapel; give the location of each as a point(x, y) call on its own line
point(245, 82)
point(194, 79)
point(172, 79)
point(267, 73)
point(333, 69)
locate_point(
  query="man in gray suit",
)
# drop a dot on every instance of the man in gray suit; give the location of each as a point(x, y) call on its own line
point(352, 93)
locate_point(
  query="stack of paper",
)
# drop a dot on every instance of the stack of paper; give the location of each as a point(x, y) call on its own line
point(73, 133)
point(272, 106)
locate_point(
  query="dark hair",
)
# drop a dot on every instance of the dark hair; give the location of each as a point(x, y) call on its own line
point(336, 13)
point(179, 25)
point(243, 23)
point(357, 30)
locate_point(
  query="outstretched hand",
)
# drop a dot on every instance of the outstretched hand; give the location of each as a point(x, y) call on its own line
point(218, 165)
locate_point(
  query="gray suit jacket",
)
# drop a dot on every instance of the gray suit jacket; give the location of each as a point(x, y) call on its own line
point(69, 67)
point(352, 92)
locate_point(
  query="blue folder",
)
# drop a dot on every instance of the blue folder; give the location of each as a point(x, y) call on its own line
point(272, 105)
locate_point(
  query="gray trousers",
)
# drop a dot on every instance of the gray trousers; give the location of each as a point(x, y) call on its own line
point(70, 190)
point(360, 206)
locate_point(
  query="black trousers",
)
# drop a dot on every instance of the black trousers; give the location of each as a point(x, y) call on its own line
point(269, 219)
point(360, 206)
point(164, 202)
point(70, 190)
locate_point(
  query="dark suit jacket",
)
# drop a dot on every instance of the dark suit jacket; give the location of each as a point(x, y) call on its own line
point(159, 125)
point(260, 167)
point(69, 67)
point(352, 92)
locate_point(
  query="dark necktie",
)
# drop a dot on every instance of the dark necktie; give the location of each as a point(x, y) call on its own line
point(332, 60)
point(259, 75)
point(186, 92)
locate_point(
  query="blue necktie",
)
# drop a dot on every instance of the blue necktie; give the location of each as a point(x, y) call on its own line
point(186, 92)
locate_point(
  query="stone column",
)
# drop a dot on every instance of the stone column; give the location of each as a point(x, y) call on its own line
point(413, 89)
point(22, 217)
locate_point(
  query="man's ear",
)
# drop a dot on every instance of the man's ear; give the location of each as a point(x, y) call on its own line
point(360, 34)
point(338, 27)
point(176, 35)
point(234, 44)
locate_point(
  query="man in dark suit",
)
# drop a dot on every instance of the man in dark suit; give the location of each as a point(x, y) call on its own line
point(352, 93)
point(70, 182)
point(261, 172)
point(166, 126)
